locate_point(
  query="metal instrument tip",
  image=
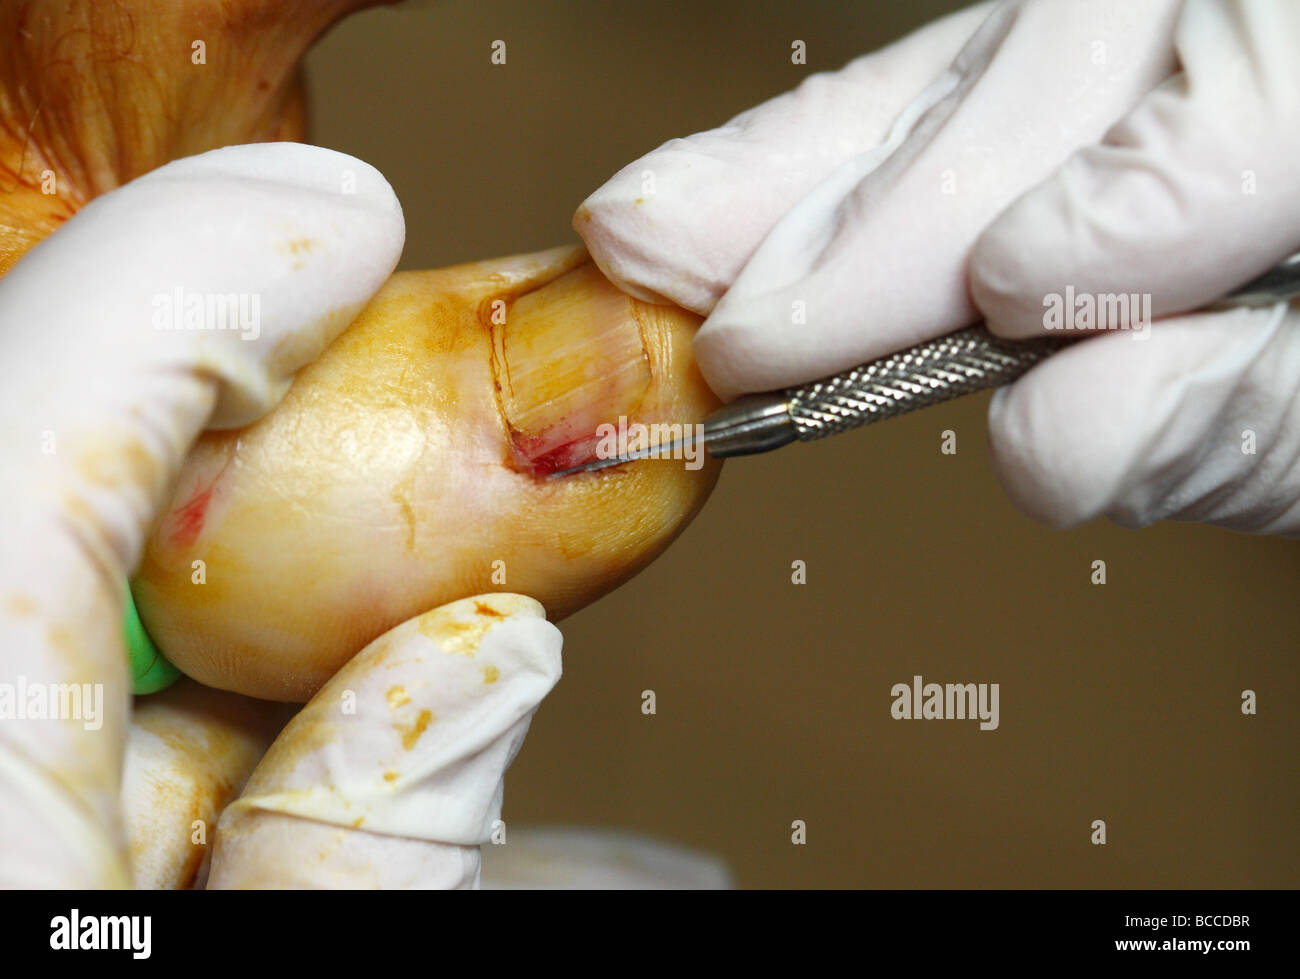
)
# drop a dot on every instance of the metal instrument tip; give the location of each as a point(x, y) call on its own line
point(669, 451)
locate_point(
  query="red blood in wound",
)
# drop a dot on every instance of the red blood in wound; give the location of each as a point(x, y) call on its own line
point(566, 456)
point(188, 520)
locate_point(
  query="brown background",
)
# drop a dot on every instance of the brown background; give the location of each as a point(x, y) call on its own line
point(1118, 702)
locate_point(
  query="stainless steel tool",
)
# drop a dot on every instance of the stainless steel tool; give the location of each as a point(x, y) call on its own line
point(970, 360)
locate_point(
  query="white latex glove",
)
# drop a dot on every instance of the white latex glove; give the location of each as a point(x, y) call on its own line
point(392, 775)
point(1142, 129)
point(99, 406)
point(1191, 194)
point(594, 858)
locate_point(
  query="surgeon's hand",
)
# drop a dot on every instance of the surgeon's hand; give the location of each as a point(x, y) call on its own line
point(390, 777)
point(189, 298)
point(983, 167)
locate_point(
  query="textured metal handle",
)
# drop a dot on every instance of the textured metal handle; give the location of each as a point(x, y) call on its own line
point(961, 363)
point(937, 370)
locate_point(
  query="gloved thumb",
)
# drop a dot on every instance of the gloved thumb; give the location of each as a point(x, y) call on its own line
point(392, 775)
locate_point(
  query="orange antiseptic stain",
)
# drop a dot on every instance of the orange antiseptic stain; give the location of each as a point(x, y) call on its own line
point(20, 605)
point(411, 733)
point(298, 246)
point(187, 521)
point(397, 696)
point(484, 609)
point(491, 674)
point(452, 636)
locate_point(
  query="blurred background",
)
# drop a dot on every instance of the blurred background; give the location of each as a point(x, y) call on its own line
point(1119, 702)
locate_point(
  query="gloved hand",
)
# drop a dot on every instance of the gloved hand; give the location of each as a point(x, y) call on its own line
point(390, 777)
point(116, 359)
point(1103, 147)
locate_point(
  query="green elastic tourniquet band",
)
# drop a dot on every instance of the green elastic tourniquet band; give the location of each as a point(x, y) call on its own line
point(149, 671)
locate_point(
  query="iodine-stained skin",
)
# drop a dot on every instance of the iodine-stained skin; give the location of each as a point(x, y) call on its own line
point(96, 94)
point(407, 467)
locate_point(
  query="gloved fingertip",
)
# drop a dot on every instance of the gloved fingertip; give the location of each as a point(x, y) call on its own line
point(514, 625)
point(1043, 478)
point(435, 710)
point(295, 165)
point(616, 257)
point(731, 358)
point(1006, 274)
point(648, 244)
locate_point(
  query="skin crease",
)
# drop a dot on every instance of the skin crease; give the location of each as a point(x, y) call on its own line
point(389, 481)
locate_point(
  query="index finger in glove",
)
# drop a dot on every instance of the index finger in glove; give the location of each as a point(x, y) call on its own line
point(678, 224)
point(874, 259)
